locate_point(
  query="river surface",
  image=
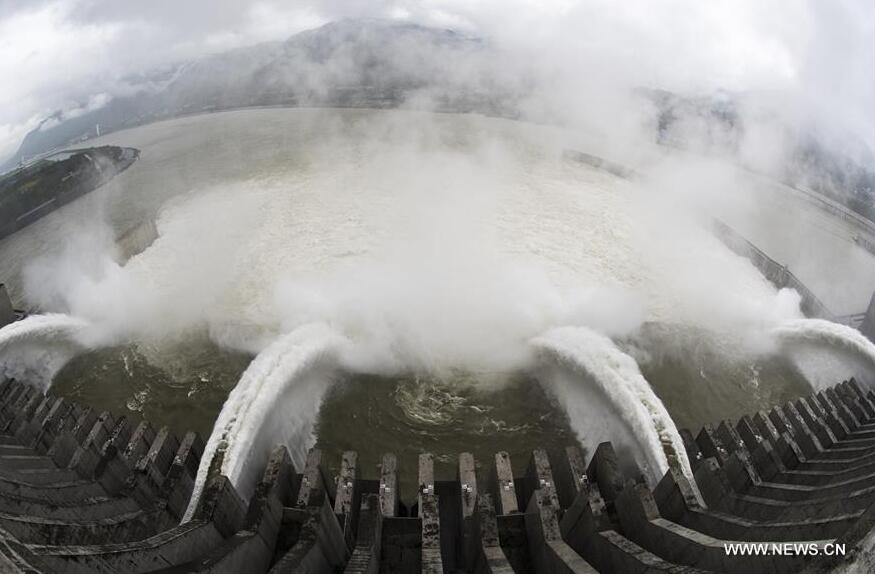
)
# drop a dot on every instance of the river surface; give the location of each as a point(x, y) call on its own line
point(441, 242)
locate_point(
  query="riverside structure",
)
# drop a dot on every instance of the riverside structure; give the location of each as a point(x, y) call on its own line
point(84, 491)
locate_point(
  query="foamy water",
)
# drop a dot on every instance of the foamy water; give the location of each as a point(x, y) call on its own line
point(828, 352)
point(594, 360)
point(276, 401)
point(32, 350)
point(458, 203)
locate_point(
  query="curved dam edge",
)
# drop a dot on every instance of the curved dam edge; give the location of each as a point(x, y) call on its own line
point(777, 274)
point(85, 491)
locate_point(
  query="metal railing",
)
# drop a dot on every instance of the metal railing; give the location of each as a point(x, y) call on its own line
point(776, 273)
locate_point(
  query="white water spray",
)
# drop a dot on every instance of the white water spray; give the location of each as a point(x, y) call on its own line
point(276, 401)
point(32, 350)
point(822, 332)
point(628, 394)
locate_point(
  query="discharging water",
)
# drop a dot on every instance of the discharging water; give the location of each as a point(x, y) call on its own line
point(432, 249)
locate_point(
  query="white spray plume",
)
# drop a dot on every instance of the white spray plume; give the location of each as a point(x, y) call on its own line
point(644, 423)
point(32, 350)
point(276, 401)
point(830, 352)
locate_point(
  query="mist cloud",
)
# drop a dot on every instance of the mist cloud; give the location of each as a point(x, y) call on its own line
point(808, 58)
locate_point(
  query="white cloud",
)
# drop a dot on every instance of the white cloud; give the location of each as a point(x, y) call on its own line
point(817, 55)
point(55, 59)
point(45, 59)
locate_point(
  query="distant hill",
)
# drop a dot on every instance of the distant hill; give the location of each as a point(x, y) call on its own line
point(383, 64)
point(839, 166)
point(352, 63)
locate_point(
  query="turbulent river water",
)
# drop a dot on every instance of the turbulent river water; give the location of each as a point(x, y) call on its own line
point(389, 281)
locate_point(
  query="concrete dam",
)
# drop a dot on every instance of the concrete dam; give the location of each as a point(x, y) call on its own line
point(788, 490)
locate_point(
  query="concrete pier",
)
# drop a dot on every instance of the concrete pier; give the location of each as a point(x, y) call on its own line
point(87, 492)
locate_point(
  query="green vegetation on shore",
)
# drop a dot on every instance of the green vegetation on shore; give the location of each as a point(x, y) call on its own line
point(32, 191)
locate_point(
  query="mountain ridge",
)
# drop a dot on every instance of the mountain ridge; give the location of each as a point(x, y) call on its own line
point(384, 64)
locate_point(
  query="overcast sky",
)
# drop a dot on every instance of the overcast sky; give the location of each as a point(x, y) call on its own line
point(819, 54)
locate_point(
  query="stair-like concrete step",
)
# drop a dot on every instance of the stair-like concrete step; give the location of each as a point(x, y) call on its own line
point(12, 449)
point(120, 528)
point(642, 523)
point(762, 509)
point(620, 555)
point(852, 441)
point(835, 465)
point(839, 486)
point(220, 514)
point(840, 453)
point(801, 472)
point(61, 492)
point(677, 504)
point(864, 436)
point(811, 477)
point(25, 462)
point(720, 496)
point(40, 477)
point(792, 493)
point(734, 528)
point(175, 546)
point(823, 476)
point(91, 509)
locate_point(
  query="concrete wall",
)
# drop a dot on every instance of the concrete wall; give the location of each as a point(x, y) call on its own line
point(776, 273)
point(803, 473)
